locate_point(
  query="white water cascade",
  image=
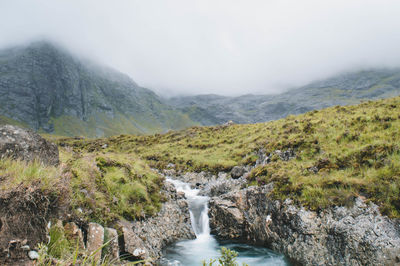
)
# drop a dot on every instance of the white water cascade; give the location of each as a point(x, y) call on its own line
point(198, 208)
point(205, 246)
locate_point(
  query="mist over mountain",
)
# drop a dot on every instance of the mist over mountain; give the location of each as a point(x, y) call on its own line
point(46, 88)
point(344, 89)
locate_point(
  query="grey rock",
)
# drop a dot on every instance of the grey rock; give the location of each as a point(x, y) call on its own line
point(285, 155)
point(343, 89)
point(223, 184)
point(24, 144)
point(237, 172)
point(359, 235)
point(95, 240)
point(33, 255)
point(43, 86)
point(26, 248)
point(111, 238)
point(153, 234)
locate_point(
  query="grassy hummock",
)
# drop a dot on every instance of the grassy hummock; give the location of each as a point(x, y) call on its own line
point(341, 152)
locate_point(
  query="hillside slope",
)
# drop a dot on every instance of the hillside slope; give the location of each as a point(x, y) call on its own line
point(319, 159)
point(343, 89)
point(48, 89)
point(340, 156)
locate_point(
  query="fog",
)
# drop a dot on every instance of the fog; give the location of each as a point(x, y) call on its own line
point(227, 47)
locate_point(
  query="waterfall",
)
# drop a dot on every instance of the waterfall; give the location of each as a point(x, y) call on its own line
point(198, 208)
point(205, 246)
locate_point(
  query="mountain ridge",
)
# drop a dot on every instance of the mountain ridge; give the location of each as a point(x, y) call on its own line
point(52, 91)
point(44, 87)
point(343, 89)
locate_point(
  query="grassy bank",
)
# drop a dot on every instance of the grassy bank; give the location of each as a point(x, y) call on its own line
point(341, 152)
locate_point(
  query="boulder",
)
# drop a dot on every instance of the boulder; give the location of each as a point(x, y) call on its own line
point(95, 240)
point(112, 248)
point(237, 172)
point(24, 144)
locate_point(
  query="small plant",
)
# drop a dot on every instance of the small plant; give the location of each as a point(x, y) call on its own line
point(227, 258)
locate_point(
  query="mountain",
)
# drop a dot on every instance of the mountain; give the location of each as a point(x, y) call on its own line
point(350, 88)
point(46, 88)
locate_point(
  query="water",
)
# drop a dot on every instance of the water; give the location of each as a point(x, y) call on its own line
point(205, 246)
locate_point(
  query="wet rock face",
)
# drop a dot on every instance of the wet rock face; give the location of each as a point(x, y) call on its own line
point(146, 239)
point(359, 235)
point(24, 144)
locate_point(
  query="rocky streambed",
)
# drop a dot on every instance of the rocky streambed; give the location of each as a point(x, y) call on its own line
point(356, 235)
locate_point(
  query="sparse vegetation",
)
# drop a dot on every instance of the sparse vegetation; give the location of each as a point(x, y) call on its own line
point(341, 152)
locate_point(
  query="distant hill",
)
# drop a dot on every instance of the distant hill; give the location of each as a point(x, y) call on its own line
point(48, 89)
point(44, 87)
point(350, 88)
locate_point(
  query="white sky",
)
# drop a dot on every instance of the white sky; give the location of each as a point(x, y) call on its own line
point(225, 47)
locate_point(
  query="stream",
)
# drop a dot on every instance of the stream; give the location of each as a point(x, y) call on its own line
point(205, 246)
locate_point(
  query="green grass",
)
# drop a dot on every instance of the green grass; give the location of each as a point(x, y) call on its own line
point(106, 187)
point(110, 186)
point(8, 121)
point(355, 149)
point(15, 172)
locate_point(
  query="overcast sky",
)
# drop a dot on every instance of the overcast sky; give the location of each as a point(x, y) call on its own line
point(227, 47)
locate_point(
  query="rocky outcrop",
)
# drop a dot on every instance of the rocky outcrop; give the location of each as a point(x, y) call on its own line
point(44, 86)
point(357, 235)
point(24, 144)
point(146, 239)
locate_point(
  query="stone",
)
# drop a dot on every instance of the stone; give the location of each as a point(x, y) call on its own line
point(33, 255)
point(357, 235)
point(26, 248)
point(152, 235)
point(285, 155)
point(24, 144)
point(237, 172)
point(95, 240)
point(139, 253)
point(74, 234)
point(112, 247)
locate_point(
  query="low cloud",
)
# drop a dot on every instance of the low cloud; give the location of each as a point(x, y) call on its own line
point(215, 46)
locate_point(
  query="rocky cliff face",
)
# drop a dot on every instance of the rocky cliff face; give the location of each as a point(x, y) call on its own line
point(146, 239)
point(344, 89)
point(357, 235)
point(48, 89)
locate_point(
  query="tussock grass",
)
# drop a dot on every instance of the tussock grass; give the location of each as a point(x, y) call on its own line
point(355, 150)
point(110, 186)
point(16, 172)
